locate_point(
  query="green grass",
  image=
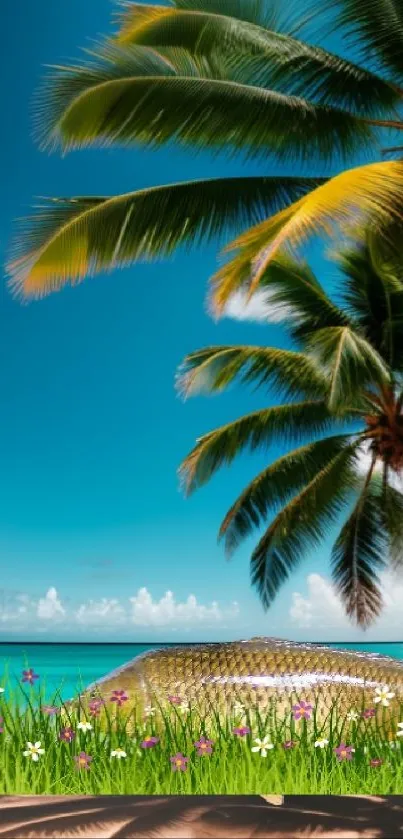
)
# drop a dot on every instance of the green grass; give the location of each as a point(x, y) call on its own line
point(232, 768)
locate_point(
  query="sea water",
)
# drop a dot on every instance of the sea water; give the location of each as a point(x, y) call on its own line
point(69, 667)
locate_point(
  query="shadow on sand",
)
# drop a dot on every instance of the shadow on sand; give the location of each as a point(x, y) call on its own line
point(200, 817)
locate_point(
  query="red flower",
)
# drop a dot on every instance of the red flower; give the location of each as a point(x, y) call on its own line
point(368, 713)
point(376, 761)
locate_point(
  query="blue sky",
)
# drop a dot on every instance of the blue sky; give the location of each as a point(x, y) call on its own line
point(91, 429)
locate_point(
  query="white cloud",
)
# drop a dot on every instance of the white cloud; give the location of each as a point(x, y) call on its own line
point(107, 612)
point(19, 612)
point(167, 612)
point(49, 607)
point(321, 612)
point(364, 463)
point(259, 308)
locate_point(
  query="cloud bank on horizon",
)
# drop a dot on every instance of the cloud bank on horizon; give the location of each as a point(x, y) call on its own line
point(314, 615)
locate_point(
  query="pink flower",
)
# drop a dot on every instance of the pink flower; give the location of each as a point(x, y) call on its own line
point(94, 706)
point(119, 696)
point(149, 742)
point(29, 676)
point(241, 730)
point(344, 752)
point(302, 710)
point(1, 725)
point(368, 713)
point(50, 710)
point(376, 761)
point(83, 760)
point(179, 762)
point(67, 734)
point(175, 700)
point(289, 744)
point(204, 746)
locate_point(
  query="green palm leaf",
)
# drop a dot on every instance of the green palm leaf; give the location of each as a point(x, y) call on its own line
point(208, 113)
point(214, 368)
point(275, 59)
point(377, 27)
point(373, 295)
point(358, 554)
point(71, 238)
point(392, 506)
point(275, 485)
point(287, 423)
point(303, 523)
point(294, 287)
point(349, 361)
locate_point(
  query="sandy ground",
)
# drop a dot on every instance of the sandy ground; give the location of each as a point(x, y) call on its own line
point(200, 817)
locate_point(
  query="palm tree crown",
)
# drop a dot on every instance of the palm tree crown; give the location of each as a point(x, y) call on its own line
point(226, 75)
point(344, 390)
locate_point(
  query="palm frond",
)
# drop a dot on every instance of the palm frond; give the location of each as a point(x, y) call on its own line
point(282, 423)
point(106, 62)
point(376, 26)
point(259, 12)
point(370, 194)
point(303, 523)
point(349, 361)
point(275, 485)
point(294, 287)
point(212, 369)
point(273, 59)
point(373, 294)
point(392, 508)
point(358, 555)
point(202, 112)
point(71, 238)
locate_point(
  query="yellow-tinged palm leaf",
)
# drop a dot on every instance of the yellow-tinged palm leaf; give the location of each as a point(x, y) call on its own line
point(69, 238)
point(371, 194)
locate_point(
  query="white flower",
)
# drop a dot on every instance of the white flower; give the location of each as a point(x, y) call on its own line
point(2, 690)
point(262, 746)
point(84, 726)
point(149, 711)
point(321, 743)
point(400, 733)
point(183, 707)
point(383, 695)
point(34, 750)
point(119, 753)
point(353, 715)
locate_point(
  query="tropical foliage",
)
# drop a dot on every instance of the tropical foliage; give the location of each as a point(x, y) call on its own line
point(343, 386)
point(233, 76)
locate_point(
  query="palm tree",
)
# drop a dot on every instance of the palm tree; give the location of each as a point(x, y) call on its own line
point(343, 386)
point(222, 75)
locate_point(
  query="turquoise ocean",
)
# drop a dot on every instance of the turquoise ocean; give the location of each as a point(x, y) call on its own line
point(68, 667)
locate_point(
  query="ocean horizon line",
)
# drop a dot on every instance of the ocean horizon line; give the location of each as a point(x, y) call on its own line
point(170, 643)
